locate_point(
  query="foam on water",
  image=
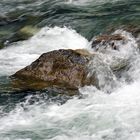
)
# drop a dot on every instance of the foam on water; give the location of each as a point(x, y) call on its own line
point(97, 116)
point(23, 53)
point(95, 2)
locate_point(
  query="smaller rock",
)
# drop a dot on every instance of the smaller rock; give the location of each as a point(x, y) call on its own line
point(135, 30)
point(26, 32)
point(106, 40)
point(29, 30)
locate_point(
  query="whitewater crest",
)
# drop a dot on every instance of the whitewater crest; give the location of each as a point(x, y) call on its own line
point(22, 53)
point(87, 2)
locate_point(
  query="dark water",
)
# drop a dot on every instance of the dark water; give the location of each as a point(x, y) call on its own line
point(88, 18)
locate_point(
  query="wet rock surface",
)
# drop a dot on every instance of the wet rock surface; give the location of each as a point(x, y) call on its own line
point(66, 69)
point(107, 40)
point(118, 51)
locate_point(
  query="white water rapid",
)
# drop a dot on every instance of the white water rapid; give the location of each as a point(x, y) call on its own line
point(97, 116)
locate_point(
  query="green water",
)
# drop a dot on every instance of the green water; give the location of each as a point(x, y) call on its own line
point(88, 19)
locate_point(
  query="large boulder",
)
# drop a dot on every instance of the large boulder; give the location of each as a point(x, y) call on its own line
point(60, 68)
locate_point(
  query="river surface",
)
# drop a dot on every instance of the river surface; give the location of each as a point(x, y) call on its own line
point(69, 24)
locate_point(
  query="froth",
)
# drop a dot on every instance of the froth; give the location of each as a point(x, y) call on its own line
point(21, 54)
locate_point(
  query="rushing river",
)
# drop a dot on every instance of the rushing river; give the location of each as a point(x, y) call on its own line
point(69, 24)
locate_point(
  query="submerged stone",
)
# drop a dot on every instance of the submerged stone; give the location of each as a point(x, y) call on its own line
point(23, 34)
point(28, 31)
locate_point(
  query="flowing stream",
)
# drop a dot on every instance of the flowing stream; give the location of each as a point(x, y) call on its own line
point(70, 24)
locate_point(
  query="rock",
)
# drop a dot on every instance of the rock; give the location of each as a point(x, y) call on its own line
point(106, 40)
point(135, 30)
point(20, 35)
point(112, 48)
point(109, 37)
point(24, 33)
point(28, 31)
point(65, 69)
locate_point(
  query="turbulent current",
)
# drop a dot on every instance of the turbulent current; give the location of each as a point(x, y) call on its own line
point(70, 24)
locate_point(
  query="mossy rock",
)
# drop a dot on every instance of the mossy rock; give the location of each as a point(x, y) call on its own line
point(27, 32)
